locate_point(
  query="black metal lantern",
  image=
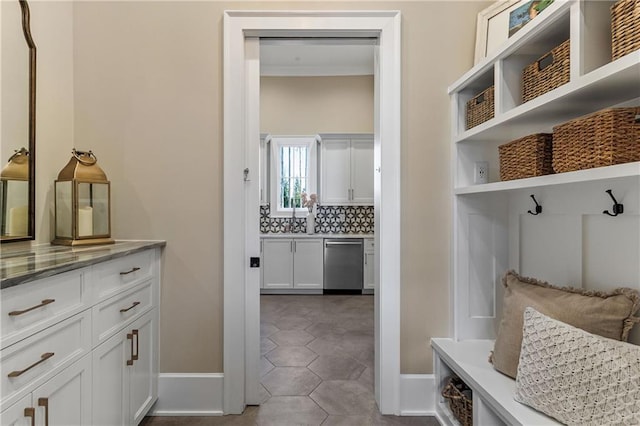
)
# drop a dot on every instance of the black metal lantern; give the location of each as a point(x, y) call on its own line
point(83, 202)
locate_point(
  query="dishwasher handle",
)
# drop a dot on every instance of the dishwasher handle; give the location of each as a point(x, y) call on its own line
point(342, 243)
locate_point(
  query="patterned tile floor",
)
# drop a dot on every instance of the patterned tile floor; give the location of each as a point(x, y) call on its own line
point(316, 366)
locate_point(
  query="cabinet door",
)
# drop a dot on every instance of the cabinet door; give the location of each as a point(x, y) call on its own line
point(307, 264)
point(264, 171)
point(278, 263)
point(66, 398)
point(335, 174)
point(111, 376)
point(142, 378)
point(369, 280)
point(16, 414)
point(362, 171)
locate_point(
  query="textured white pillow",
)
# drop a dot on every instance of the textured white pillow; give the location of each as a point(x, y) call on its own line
point(577, 377)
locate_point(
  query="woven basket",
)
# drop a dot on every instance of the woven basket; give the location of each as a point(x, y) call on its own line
point(548, 72)
point(458, 394)
point(480, 108)
point(604, 138)
point(625, 27)
point(526, 157)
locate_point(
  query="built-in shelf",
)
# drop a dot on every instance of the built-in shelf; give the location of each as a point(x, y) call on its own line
point(468, 359)
point(598, 174)
point(569, 244)
point(546, 22)
point(598, 89)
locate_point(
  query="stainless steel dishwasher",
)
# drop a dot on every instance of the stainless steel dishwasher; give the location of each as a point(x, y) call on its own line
point(343, 269)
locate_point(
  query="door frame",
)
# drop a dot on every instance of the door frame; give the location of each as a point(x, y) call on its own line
point(241, 128)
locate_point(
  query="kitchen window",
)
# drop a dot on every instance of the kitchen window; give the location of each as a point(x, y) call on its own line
point(293, 171)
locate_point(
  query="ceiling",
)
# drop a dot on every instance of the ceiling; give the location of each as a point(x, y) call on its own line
point(316, 57)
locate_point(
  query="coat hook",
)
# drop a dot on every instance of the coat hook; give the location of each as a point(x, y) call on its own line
point(617, 207)
point(538, 207)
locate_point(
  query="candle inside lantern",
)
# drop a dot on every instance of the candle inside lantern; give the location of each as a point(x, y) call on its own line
point(18, 219)
point(85, 221)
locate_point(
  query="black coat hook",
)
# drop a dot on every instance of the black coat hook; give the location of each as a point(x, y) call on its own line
point(617, 207)
point(538, 207)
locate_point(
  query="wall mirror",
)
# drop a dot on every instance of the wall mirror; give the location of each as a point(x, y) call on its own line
point(18, 139)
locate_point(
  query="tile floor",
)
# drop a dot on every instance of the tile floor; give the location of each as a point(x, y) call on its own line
point(316, 366)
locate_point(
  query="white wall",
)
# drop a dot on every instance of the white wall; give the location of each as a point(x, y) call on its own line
point(310, 105)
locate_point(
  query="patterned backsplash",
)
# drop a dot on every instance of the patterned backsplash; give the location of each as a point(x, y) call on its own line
point(357, 220)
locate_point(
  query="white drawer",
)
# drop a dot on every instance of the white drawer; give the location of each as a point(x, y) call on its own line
point(368, 244)
point(112, 314)
point(34, 360)
point(28, 308)
point(120, 274)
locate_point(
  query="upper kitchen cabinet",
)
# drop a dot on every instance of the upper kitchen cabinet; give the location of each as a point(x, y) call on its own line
point(346, 169)
point(264, 168)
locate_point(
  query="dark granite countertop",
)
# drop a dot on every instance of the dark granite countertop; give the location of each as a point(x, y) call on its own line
point(39, 261)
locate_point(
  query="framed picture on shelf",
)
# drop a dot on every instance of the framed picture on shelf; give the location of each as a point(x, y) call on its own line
point(501, 20)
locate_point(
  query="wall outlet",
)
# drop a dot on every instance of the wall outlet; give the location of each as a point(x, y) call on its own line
point(481, 172)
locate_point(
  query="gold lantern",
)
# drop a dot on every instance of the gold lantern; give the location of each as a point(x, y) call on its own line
point(83, 202)
point(14, 187)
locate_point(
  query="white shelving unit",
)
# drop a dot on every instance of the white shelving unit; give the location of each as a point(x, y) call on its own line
point(571, 242)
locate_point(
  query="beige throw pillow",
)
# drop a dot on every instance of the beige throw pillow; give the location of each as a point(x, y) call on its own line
point(577, 377)
point(605, 314)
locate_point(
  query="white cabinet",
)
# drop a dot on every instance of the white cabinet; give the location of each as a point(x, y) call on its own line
point(126, 368)
point(369, 263)
point(568, 243)
point(277, 263)
point(346, 175)
point(63, 400)
point(292, 263)
point(82, 346)
point(264, 168)
point(307, 264)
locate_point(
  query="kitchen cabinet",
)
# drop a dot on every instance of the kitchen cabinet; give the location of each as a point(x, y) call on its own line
point(292, 263)
point(369, 263)
point(264, 168)
point(570, 242)
point(81, 346)
point(346, 169)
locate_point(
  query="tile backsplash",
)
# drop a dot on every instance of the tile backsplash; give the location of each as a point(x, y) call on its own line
point(357, 220)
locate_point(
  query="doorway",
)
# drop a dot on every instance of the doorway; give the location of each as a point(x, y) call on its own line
point(241, 233)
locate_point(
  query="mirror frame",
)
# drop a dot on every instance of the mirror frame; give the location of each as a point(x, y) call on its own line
point(26, 29)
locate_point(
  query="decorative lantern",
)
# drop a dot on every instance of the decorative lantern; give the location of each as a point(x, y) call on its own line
point(14, 189)
point(83, 202)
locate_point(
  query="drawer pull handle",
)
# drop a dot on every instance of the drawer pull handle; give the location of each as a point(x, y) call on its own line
point(130, 337)
point(45, 302)
point(44, 402)
point(135, 357)
point(43, 358)
point(31, 412)
point(134, 269)
point(130, 307)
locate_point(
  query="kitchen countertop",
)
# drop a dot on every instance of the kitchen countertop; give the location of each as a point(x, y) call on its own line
point(303, 235)
point(24, 265)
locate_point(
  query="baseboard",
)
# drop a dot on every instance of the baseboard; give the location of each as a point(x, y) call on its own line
point(189, 394)
point(417, 395)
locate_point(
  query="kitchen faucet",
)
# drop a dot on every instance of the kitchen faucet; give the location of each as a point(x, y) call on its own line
point(290, 226)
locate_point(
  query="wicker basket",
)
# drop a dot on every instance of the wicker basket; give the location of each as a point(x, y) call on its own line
point(458, 394)
point(480, 108)
point(625, 27)
point(526, 157)
point(548, 72)
point(604, 138)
